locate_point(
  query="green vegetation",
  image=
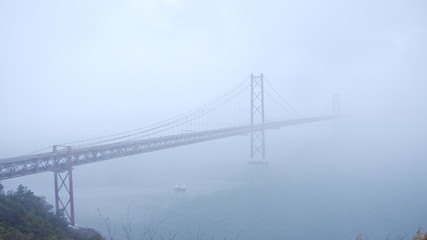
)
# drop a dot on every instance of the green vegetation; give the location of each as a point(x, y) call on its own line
point(24, 216)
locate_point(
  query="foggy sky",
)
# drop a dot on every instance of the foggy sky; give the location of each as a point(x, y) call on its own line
point(72, 70)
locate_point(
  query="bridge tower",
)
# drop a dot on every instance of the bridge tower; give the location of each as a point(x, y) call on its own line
point(336, 109)
point(63, 180)
point(257, 117)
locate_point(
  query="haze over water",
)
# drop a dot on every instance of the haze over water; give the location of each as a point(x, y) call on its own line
point(321, 182)
point(71, 71)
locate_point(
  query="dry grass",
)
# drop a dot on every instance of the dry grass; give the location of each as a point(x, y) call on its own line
point(420, 235)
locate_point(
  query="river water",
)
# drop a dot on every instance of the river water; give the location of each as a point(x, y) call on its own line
point(322, 182)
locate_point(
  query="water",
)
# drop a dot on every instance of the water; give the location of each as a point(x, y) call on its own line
point(319, 184)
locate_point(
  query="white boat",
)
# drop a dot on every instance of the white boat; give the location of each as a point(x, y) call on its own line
point(180, 188)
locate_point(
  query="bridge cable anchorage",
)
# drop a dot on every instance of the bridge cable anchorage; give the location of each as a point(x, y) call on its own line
point(181, 118)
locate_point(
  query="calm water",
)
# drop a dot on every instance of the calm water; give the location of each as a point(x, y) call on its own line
point(320, 184)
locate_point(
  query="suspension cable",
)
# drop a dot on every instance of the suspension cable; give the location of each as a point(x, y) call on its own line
point(151, 127)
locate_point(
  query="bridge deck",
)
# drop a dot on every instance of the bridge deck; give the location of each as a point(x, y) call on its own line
point(57, 161)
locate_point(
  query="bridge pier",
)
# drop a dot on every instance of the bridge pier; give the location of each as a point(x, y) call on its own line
point(63, 182)
point(257, 117)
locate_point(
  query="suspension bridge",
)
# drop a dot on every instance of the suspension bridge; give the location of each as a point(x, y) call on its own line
point(222, 117)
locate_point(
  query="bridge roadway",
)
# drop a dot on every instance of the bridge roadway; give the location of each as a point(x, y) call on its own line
point(58, 161)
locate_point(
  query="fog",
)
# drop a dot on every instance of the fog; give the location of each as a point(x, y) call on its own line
point(77, 70)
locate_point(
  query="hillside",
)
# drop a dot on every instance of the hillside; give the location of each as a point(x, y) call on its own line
point(25, 216)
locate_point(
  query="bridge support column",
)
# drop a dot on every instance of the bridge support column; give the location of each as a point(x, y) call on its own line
point(336, 112)
point(63, 181)
point(336, 109)
point(257, 117)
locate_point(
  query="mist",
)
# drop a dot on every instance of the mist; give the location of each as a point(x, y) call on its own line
point(71, 71)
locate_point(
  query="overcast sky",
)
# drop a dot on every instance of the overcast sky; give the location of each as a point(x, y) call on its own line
point(86, 68)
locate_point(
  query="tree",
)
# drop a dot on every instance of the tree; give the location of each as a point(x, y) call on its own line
point(24, 215)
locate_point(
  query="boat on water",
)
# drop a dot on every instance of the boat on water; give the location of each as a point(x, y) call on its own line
point(180, 187)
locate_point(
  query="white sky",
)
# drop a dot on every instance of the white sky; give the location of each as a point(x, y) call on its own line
point(81, 69)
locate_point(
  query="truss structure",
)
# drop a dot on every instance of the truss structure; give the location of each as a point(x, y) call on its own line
point(63, 180)
point(60, 160)
point(257, 117)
